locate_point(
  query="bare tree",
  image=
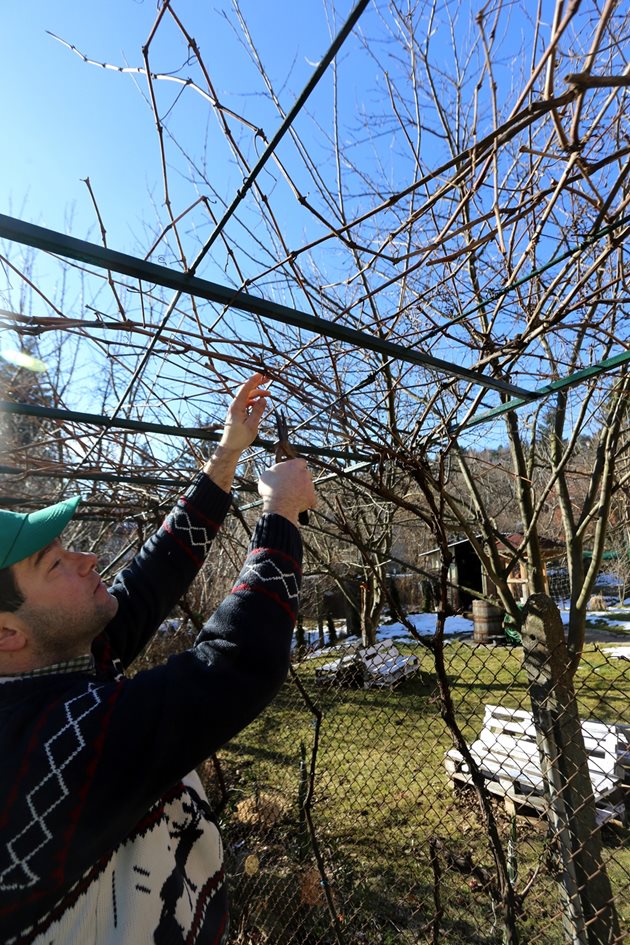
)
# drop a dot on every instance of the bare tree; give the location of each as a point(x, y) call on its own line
point(472, 211)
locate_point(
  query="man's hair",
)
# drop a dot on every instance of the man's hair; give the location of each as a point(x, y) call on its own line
point(11, 598)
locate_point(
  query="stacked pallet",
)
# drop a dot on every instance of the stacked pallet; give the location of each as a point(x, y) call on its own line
point(507, 755)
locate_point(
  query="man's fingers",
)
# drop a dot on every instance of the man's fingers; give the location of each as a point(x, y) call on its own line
point(257, 408)
point(244, 413)
point(289, 483)
point(252, 387)
point(260, 393)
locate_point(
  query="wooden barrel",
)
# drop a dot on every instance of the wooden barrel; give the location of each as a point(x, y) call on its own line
point(487, 623)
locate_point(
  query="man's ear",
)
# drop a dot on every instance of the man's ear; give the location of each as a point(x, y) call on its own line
point(12, 635)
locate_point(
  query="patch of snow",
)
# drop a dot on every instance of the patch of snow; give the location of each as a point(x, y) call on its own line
point(424, 624)
point(620, 652)
point(610, 616)
point(607, 579)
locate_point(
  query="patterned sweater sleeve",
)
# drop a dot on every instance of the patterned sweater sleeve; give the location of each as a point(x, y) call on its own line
point(160, 574)
point(150, 730)
point(187, 708)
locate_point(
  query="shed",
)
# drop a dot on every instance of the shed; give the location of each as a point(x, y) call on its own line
point(466, 573)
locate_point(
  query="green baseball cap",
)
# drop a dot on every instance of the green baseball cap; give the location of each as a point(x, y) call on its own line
point(24, 533)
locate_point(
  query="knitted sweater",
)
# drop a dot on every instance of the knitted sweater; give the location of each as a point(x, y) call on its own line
point(106, 838)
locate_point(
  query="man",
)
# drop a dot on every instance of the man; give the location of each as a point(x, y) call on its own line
point(106, 836)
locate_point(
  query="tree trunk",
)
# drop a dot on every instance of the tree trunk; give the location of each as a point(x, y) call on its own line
point(589, 911)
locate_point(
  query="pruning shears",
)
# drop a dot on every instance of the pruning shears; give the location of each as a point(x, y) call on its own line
point(284, 450)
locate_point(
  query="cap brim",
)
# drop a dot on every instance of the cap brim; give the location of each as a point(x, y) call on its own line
point(40, 528)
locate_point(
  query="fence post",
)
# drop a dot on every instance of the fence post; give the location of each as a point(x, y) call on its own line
point(589, 913)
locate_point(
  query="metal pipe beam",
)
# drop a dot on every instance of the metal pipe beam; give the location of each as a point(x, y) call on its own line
point(572, 380)
point(93, 477)
point(60, 244)
point(143, 426)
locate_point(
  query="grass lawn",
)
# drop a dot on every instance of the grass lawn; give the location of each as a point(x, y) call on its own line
point(391, 832)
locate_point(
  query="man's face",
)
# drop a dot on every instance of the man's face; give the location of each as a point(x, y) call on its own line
point(66, 605)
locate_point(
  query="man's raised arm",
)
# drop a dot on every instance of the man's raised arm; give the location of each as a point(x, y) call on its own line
point(152, 584)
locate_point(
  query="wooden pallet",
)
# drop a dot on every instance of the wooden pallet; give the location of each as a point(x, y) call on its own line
point(379, 666)
point(506, 754)
point(515, 799)
point(521, 802)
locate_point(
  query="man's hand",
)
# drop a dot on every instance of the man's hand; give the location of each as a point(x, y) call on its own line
point(287, 489)
point(240, 430)
point(244, 413)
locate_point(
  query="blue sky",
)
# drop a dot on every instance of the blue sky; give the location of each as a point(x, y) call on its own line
point(68, 120)
point(65, 120)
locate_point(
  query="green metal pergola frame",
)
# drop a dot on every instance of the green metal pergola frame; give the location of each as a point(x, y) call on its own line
point(101, 257)
point(112, 261)
point(187, 283)
point(60, 244)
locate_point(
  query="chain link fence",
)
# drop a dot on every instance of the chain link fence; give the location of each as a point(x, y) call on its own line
point(349, 814)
